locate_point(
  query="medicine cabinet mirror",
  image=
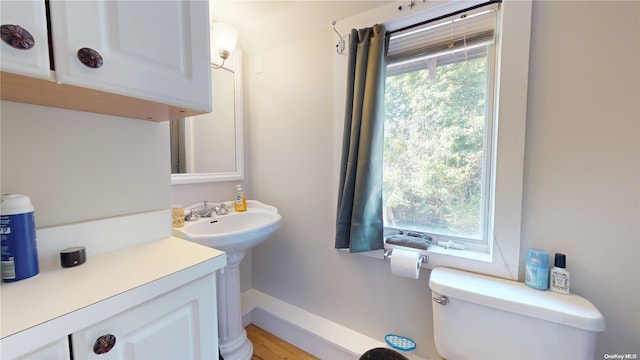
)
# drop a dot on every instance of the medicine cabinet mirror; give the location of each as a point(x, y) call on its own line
point(209, 147)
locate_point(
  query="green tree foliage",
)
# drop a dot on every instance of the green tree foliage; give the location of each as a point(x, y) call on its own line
point(433, 155)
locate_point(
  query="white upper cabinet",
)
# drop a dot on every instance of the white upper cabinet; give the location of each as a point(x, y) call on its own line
point(141, 59)
point(152, 50)
point(25, 47)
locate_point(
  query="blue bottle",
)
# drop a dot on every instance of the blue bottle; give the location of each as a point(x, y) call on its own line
point(18, 238)
point(537, 269)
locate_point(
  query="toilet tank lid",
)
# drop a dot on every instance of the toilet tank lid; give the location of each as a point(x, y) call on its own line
point(516, 297)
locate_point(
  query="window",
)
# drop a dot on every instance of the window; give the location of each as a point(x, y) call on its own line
point(498, 253)
point(439, 129)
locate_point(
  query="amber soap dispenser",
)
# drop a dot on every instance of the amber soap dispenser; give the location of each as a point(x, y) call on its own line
point(240, 201)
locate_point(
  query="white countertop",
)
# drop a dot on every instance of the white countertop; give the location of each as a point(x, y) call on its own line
point(58, 292)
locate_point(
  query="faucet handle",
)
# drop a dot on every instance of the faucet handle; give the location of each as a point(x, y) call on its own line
point(205, 205)
point(223, 210)
point(192, 216)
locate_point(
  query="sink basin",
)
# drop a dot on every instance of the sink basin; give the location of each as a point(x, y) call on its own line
point(234, 232)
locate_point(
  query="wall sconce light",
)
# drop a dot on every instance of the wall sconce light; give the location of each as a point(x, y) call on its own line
point(225, 38)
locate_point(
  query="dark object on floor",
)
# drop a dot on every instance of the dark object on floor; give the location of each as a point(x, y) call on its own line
point(382, 354)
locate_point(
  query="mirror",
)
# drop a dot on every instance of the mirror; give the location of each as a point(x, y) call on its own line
point(209, 147)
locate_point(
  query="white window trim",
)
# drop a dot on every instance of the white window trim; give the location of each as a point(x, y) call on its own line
point(503, 259)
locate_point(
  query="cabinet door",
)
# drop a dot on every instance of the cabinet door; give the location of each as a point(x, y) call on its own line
point(151, 50)
point(181, 324)
point(29, 58)
point(57, 350)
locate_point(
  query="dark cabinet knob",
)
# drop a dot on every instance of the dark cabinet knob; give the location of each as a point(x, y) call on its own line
point(104, 343)
point(17, 37)
point(90, 58)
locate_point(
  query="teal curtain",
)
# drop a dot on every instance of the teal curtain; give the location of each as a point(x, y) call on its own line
point(359, 217)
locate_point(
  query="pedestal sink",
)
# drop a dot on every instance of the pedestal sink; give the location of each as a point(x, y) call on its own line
point(233, 233)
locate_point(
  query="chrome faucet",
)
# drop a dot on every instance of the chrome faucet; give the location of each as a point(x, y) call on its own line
point(219, 210)
point(206, 211)
point(191, 215)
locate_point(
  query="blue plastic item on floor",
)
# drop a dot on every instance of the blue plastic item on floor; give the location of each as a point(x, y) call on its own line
point(400, 342)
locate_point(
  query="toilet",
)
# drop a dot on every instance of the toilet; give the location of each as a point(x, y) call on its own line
point(481, 317)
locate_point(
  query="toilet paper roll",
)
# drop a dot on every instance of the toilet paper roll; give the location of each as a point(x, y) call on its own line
point(405, 263)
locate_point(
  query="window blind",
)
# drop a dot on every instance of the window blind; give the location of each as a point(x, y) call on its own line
point(463, 35)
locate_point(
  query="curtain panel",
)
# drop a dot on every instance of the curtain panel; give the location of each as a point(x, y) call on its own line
point(359, 225)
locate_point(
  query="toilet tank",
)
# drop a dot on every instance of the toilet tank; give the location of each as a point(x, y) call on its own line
point(490, 318)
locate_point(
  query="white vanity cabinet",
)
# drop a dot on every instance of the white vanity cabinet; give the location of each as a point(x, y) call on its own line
point(140, 59)
point(156, 300)
point(176, 325)
point(59, 349)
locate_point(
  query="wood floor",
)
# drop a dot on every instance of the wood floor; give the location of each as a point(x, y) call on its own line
point(267, 346)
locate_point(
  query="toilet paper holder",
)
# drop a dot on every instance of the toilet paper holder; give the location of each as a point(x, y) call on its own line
point(422, 259)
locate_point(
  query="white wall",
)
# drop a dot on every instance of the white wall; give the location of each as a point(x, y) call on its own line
point(581, 176)
point(582, 172)
point(79, 166)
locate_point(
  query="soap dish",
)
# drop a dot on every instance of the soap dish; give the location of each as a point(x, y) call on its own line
point(400, 342)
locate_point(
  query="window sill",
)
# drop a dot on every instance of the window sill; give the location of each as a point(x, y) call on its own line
point(439, 252)
point(467, 260)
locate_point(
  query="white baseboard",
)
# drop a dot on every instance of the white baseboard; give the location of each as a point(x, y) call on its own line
point(316, 335)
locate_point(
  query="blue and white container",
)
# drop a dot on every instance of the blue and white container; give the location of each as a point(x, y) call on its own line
point(18, 238)
point(537, 269)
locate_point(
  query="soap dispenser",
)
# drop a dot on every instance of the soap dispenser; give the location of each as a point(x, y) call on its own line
point(240, 202)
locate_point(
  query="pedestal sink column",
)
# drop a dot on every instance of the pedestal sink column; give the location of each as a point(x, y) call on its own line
point(234, 234)
point(232, 337)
